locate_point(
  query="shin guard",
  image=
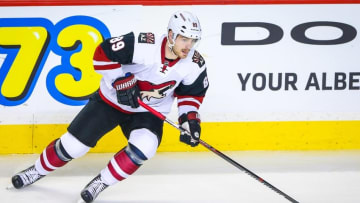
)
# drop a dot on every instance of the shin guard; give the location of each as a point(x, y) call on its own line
point(53, 157)
point(122, 165)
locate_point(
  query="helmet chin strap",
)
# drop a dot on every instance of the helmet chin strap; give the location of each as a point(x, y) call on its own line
point(171, 46)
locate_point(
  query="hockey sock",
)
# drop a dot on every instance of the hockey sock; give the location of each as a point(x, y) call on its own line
point(53, 157)
point(122, 165)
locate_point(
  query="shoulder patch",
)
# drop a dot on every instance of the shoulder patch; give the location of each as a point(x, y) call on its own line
point(198, 59)
point(146, 37)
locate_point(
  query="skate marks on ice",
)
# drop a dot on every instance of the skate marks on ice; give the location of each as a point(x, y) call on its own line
point(10, 186)
point(314, 177)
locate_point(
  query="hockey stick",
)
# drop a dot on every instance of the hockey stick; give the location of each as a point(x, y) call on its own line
point(209, 147)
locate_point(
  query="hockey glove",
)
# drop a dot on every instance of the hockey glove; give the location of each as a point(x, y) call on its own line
point(127, 90)
point(191, 123)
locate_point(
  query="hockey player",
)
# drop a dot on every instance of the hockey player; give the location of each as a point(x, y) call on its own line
point(156, 69)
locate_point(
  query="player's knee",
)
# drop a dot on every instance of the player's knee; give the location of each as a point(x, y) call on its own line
point(72, 146)
point(143, 142)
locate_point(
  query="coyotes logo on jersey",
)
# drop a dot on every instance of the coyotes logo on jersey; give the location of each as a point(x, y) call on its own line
point(198, 59)
point(149, 90)
point(146, 38)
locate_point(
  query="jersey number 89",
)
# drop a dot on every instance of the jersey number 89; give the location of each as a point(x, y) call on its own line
point(117, 43)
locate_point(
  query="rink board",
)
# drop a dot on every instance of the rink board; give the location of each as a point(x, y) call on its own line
point(276, 83)
point(316, 135)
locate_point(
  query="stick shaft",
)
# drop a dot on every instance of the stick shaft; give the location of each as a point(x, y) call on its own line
point(217, 152)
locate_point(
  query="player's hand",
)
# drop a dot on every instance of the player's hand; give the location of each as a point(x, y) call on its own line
point(127, 90)
point(191, 123)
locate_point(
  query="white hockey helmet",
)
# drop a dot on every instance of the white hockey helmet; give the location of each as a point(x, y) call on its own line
point(186, 24)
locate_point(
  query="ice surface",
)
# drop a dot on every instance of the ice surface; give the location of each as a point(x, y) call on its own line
point(313, 177)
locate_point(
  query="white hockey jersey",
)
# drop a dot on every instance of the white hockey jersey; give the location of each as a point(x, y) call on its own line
point(159, 80)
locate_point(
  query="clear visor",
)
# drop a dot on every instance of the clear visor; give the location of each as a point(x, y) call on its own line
point(193, 43)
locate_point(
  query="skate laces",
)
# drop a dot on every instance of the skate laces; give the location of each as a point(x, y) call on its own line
point(30, 175)
point(96, 186)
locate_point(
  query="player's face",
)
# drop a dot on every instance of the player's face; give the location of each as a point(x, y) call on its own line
point(183, 45)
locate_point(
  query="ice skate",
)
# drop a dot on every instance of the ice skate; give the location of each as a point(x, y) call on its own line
point(93, 189)
point(26, 177)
